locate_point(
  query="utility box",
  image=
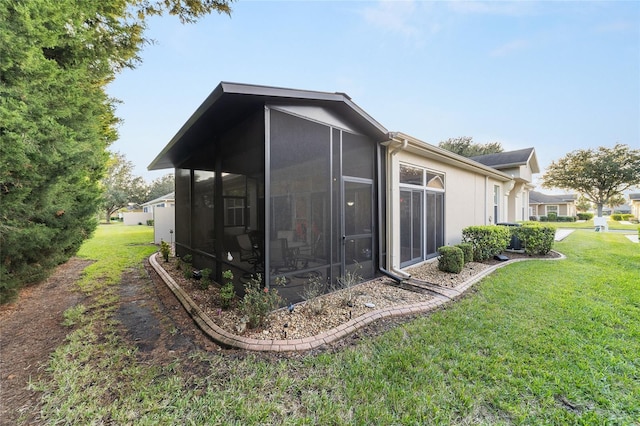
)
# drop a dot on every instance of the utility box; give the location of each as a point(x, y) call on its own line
point(515, 244)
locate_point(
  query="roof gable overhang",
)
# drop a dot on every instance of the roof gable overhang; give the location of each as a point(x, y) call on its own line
point(230, 103)
point(416, 146)
point(511, 159)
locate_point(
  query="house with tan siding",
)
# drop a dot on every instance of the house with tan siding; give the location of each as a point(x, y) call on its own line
point(560, 204)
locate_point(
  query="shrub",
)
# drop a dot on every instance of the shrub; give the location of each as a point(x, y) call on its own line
point(585, 216)
point(533, 218)
point(621, 216)
point(227, 291)
point(149, 222)
point(467, 251)
point(258, 301)
point(552, 216)
point(566, 219)
point(544, 219)
point(165, 250)
point(536, 239)
point(345, 284)
point(487, 241)
point(314, 304)
point(205, 278)
point(187, 269)
point(451, 259)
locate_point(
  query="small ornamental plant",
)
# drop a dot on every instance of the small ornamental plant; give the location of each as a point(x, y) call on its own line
point(345, 285)
point(314, 304)
point(165, 250)
point(187, 270)
point(451, 259)
point(205, 279)
point(227, 291)
point(258, 302)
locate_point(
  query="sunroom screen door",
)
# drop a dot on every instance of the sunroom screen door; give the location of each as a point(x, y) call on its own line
point(358, 234)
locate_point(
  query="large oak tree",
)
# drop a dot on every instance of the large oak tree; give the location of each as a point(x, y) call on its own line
point(597, 174)
point(56, 120)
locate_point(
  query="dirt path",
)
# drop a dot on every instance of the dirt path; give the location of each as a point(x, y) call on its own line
point(30, 329)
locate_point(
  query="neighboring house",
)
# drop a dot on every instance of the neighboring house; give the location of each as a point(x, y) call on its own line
point(634, 202)
point(164, 201)
point(521, 165)
point(307, 185)
point(133, 214)
point(162, 211)
point(542, 204)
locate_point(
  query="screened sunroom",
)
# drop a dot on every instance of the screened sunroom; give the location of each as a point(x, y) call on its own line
point(279, 182)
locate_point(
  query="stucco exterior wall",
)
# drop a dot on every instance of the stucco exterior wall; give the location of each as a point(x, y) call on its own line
point(468, 199)
point(136, 218)
point(164, 224)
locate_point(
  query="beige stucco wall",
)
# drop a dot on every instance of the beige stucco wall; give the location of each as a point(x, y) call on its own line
point(468, 200)
point(164, 223)
point(136, 218)
point(635, 208)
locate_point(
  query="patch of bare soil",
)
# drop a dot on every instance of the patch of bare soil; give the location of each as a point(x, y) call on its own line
point(30, 329)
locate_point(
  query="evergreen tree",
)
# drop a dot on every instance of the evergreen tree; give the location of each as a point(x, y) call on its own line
point(56, 120)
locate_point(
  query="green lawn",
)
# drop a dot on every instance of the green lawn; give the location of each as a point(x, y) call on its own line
point(539, 342)
point(613, 225)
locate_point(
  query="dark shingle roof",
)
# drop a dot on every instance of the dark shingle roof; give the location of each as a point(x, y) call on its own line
point(540, 198)
point(505, 159)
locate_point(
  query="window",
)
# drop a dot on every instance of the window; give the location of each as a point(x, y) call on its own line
point(496, 203)
point(552, 209)
point(233, 211)
point(411, 175)
point(421, 213)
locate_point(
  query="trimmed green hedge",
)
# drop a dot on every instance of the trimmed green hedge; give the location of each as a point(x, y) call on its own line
point(451, 259)
point(487, 240)
point(536, 239)
point(467, 251)
point(621, 216)
point(585, 216)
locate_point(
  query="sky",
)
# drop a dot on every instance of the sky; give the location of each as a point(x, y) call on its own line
point(556, 76)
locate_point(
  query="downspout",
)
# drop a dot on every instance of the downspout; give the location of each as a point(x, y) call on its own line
point(398, 276)
point(381, 268)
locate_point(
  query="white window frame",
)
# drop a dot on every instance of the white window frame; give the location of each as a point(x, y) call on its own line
point(557, 211)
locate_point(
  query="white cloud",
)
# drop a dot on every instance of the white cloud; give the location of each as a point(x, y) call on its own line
point(394, 16)
point(616, 26)
point(510, 47)
point(509, 8)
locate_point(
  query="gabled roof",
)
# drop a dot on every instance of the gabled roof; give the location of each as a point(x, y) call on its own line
point(540, 198)
point(230, 103)
point(169, 197)
point(505, 160)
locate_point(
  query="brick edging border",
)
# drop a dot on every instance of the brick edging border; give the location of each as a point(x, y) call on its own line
point(229, 340)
